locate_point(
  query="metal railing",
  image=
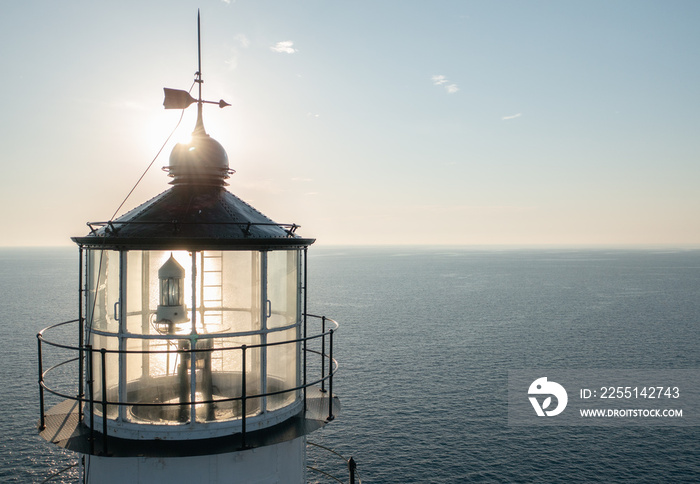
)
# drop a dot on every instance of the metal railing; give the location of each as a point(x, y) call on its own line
point(113, 227)
point(87, 354)
point(353, 474)
point(60, 472)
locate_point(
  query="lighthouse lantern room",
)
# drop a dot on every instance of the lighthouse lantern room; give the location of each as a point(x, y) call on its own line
point(197, 360)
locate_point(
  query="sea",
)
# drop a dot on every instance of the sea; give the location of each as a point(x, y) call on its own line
point(426, 340)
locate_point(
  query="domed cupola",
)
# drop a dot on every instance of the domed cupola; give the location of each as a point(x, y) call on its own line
point(201, 161)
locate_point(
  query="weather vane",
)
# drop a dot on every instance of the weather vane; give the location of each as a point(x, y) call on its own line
point(179, 99)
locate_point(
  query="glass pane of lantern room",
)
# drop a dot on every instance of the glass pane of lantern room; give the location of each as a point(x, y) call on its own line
point(282, 287)
point(111, 374)
point(103, 290)
point(228, 383)
point(283, 296)
point(137, 319)
point(282, 371)
point(240, 290)
point(102, 303)
point(145, 291)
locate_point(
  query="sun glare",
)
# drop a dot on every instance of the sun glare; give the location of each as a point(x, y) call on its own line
point(158, 126)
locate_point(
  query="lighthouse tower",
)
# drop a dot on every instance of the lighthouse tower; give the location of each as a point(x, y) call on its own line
point(196, 359)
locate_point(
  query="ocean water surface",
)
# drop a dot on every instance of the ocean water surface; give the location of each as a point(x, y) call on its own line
point(426, 339)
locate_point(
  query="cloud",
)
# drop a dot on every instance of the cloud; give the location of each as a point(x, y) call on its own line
point(284, 47)
point(302, 179)
point(512, 116)
point(440, 80)
point(243, 40)
point(232, 61)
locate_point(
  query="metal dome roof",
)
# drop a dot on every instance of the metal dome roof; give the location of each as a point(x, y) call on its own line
point(193, 217)
point(201, 161)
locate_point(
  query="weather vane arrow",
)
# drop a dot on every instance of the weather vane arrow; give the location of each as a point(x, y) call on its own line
point(179, 99)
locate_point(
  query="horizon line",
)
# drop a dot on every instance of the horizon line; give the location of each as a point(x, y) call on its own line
point(641, 245)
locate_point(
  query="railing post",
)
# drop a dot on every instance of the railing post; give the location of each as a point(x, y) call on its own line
point(103, 354)
point(42, 419)
point(306, 267)
point(330, 376)
point(91, 381)
point(243, 394)
point(81, 383)
point(323, 354)
point(81, 363)
point(351, 467)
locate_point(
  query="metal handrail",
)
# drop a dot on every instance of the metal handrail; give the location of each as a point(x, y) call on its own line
point(165, 404)
point(58, 473)
point(95, 226)
point(352, 467)
point(88, 351)
point(203, 336)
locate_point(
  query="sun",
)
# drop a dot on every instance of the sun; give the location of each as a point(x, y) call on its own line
point(162, 129)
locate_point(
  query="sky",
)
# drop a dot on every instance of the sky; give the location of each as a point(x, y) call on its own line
point(368, 122)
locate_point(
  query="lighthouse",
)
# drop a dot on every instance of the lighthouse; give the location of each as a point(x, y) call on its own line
point(194, 356)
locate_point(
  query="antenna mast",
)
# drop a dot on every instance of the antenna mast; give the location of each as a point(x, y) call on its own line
point(178, 99)
point(198, 78)
point(199, 60)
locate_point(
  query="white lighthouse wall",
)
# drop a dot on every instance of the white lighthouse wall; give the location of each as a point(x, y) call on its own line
point(280, 463)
